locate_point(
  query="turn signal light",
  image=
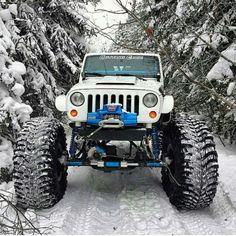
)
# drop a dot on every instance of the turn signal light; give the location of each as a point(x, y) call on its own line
point(153, 114)
point(73, 113)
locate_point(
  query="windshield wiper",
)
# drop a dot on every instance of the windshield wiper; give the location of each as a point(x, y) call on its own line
point(117, 74)
point(138, 77)
point(91, 74)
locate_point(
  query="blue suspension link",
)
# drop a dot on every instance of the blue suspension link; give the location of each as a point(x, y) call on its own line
point(73, 147)
point(155, 141)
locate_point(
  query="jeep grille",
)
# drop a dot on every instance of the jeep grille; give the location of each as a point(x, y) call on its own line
point(129, 103)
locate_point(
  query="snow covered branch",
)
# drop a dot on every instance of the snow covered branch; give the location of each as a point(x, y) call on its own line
point(13, 219)
point(198, 53)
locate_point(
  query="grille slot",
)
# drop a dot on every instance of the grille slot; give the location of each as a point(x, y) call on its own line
point(121, 99)
point(136, 104)
point(105, 99)
point(90, 103)
point(129, 103)
point(113, 98)
point(97, 102)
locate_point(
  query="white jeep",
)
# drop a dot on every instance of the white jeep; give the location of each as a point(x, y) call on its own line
point(133, 80)
point(119, 97)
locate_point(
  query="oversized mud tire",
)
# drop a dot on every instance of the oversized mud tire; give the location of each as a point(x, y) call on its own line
point(190, 150)
point(40, 177)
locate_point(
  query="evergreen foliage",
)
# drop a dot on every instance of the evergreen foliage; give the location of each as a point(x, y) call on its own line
point(200, 37)
point(51, 44)
point(42, 44)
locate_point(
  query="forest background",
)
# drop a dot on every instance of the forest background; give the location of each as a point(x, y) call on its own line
point(42, 45)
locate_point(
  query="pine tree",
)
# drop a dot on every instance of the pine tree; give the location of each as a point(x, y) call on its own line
point(51, 44)
point(13, 112)
point(42, 44)
point(200, 38)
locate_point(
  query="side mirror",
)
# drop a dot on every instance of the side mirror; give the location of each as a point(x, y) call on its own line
point(158, 77)
point(168, 104)
point(61, 103)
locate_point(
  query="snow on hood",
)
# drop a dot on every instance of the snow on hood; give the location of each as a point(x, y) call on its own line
point(113, 80)
point(118, 82)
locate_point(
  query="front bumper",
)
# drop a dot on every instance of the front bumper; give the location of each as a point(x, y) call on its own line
point(125, 134)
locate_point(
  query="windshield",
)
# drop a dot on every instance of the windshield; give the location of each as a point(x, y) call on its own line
point(134, 65)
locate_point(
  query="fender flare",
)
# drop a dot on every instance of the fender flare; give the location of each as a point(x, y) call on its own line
point(60, 103)
point(168, 104)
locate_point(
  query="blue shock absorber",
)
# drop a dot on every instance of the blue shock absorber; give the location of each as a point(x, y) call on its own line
point(73, 147)
point(155, 142)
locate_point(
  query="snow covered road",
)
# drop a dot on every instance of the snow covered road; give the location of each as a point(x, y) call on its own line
point(133, 202)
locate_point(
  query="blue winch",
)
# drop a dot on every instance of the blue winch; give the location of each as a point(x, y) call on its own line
point(112, 112)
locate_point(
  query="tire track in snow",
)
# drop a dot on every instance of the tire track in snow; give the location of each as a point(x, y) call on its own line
point(133, 202)
point(210, 220)
point(105, 213)
point(219, 218)
point(224, 211)
point(63, 216)
point(119, 203)
point(81, 194)
point(94, 214)
point(145, 211)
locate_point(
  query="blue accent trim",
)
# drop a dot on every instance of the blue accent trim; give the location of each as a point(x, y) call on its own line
point(100, 150)
point(154, 164)
point(129, 119)
point(74, 163)
point(112, 164)
point(73, 147)
point(155, 141)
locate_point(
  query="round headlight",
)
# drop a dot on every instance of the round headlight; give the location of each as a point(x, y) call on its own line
point(150, 100)
point(77, 99)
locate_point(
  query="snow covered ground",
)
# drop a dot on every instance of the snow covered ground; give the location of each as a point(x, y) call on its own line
point(134, 202)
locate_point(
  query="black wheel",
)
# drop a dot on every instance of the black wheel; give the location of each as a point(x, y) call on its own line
point(39, 172)
point(189, 152)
